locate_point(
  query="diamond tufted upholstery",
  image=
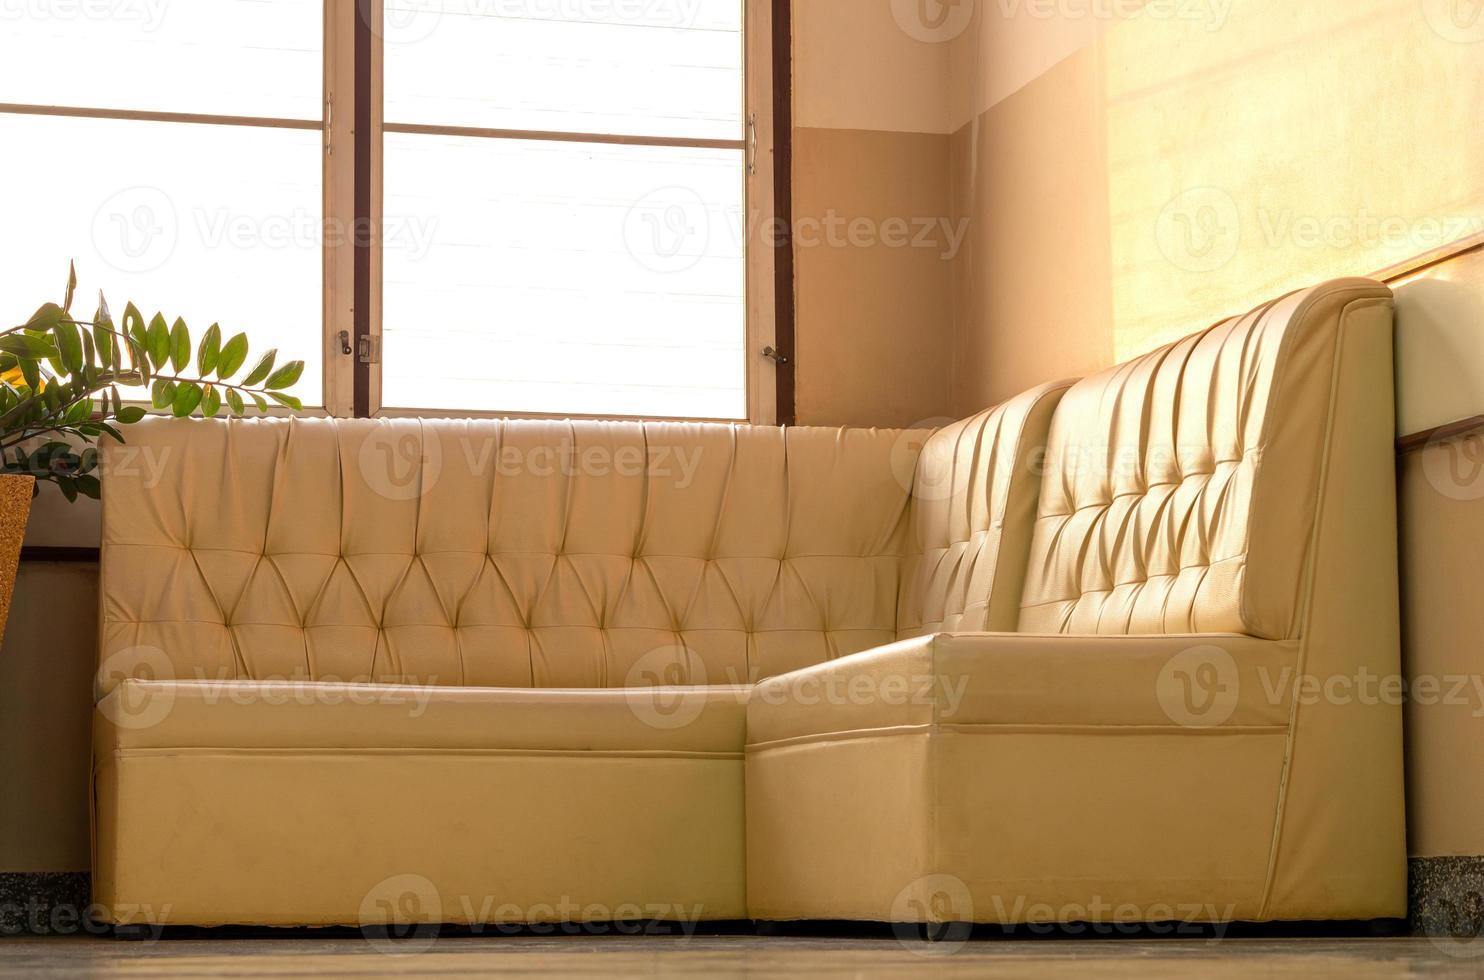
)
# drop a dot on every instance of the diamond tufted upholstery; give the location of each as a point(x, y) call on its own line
point(1182, 482)
point(500, 554)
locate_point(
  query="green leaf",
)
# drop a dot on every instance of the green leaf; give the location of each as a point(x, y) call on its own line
point(24, 345)
point(138, 336)
point(129, 414)
point(45, 317)
point(71, 286)
point(234, 352)
point(88, 486)
point(31, 371)
point(288, 401)
point(261, 370)
point(69, 344)
point(286, 376)
point(187, 398)
point(211, 403)
point(209, 351)
point(162, 393)
point(103, 336)
point(234, 400)
point(157, 341)
point(180, 346)
point(68, 488)
point(262, 403)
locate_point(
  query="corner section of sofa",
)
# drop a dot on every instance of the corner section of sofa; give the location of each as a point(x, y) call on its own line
point(1015, 778)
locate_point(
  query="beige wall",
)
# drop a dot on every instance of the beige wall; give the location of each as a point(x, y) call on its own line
point(46, 702)
point(1192, 161)
point(874, 311)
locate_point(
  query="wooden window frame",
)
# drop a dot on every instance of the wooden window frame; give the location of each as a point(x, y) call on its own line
point(353, 193)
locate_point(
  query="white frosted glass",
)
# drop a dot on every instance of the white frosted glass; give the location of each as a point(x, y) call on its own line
point(530, 276)
point(633, 67)
point(223, 57)
point(212, 223)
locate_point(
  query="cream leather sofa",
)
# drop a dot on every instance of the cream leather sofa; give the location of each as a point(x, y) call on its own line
point(1042, 664)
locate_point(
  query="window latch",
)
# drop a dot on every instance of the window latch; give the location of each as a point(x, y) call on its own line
point(368, 350)
point(775, 355)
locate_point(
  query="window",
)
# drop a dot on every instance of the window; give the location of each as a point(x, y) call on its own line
point(566, 194)
point(175, 152)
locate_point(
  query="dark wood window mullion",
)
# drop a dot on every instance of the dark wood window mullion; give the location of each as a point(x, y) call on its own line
point(783, 270)
point(362, 236)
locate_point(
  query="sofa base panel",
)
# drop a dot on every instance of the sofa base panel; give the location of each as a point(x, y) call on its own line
point(210, 837)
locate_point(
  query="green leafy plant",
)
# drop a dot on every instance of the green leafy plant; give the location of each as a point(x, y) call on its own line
point(63, 378)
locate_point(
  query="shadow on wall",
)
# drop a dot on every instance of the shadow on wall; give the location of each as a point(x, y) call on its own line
point(1192, 160)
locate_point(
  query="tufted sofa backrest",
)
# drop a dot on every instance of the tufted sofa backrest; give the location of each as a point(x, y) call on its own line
point(973, 508)
point(498, 553)
point(1182, 489)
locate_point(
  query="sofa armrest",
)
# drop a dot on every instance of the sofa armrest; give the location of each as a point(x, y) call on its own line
point(954, 681)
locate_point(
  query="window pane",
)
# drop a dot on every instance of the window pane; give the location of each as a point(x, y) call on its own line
point(657, 67)
point(224, 57)
point(212, 223)
point(530, 276)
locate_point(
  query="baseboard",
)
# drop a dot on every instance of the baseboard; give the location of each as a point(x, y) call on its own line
point(1446, 900)
point(1447, 897)
point(45, 903)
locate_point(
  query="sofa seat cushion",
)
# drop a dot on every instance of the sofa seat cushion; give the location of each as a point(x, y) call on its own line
point(147, 715)
point(967, 681)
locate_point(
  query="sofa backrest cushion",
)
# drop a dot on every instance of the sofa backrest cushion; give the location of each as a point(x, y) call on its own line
point(1181, 488)
point(497, 553)
point(973, 508)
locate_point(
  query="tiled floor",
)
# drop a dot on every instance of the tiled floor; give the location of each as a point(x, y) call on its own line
point(719, 957)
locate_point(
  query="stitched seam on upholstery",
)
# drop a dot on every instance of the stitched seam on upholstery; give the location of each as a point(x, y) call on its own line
point(503, 626)
point(1275, 844)
point(888, 731)
point(292, 752)
point(1072, 728)
point(1280, 377)
point(880, 556)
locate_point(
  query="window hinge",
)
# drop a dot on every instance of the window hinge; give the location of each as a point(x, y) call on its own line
point(368, 350)
point(752, 144)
